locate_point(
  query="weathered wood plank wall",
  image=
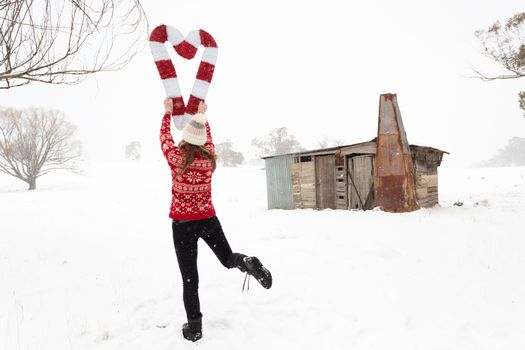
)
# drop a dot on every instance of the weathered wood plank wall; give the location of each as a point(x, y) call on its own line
point(426, 173)
point(361, 182)
point(303, 184)
point(325, 181)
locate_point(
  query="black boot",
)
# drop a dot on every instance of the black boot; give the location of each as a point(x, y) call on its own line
point(192, 330)
point(257, 270)
point(237, 260)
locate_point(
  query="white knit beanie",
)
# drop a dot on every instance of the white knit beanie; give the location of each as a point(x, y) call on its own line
point(195, 131)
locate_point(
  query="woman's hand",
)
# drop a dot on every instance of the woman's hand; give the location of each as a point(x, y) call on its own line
point(203, 107)
point(168, 105)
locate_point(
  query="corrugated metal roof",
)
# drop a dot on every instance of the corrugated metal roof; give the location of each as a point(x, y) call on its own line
point(332, 150)
point(431, 148)
point(319, 151)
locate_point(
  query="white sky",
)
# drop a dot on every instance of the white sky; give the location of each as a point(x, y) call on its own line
point(317, 67)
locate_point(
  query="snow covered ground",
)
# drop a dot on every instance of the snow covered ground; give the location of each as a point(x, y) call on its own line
point(88, 263)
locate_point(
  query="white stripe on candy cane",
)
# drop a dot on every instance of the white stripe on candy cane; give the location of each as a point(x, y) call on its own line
point(171, 85)
point(158, 51)
point(200, 89)
point(194, 38)
point(174, 36)
point(210, 55)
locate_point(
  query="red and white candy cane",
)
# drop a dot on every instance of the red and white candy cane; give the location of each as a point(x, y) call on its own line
point(187, 48)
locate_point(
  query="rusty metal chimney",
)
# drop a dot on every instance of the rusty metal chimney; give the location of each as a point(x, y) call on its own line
point(395, 187)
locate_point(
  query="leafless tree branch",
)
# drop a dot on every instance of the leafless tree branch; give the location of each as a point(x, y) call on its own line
point(61, 42)
point(482, 76)
point(504, 44)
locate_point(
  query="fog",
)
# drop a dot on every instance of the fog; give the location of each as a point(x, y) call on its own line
point(317, 68)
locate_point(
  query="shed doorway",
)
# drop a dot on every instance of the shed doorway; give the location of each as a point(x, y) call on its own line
point(325, 181)
point(360, 179)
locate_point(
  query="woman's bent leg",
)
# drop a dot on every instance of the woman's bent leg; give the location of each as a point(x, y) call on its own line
point(185, 236)
point(214, 237)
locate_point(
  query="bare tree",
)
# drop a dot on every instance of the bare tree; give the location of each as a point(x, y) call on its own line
point(339, 142)
point(505, 44)
point(34, 142)
point(277, 141)
point(227, 155)
point(60, 42)
point(133, 150)
point(325, 142)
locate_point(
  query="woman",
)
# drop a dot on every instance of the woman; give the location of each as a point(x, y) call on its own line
point(192, 164)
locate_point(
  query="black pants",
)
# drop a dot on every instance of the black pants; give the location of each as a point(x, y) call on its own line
point(185, 237)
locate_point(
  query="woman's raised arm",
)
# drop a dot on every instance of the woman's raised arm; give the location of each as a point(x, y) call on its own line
point(166, 140)
point(203, 107)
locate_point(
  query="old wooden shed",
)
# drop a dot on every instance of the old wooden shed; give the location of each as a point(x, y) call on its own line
point(342, 177)
point(346, 177)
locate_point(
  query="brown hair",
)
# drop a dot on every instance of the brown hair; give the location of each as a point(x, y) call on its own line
point(189, 150)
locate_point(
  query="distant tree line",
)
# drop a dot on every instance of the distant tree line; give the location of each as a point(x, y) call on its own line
point(513, 154)
point(277, 141)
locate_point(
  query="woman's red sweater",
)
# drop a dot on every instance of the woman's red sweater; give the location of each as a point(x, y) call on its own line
point(191, 191)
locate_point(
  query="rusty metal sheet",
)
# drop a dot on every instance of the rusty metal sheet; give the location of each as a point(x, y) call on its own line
point(394, 182)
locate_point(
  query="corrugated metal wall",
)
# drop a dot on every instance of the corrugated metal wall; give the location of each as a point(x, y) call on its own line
point(279, 182)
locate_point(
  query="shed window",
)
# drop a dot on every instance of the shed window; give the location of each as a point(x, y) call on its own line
point(306, 159)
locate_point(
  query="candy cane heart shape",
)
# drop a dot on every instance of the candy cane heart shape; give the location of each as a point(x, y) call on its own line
point(187, 48)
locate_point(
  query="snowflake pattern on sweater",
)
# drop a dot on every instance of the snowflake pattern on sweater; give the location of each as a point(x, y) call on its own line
point(191, 191)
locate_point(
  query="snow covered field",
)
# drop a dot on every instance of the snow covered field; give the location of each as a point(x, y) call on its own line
point(88, 263)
